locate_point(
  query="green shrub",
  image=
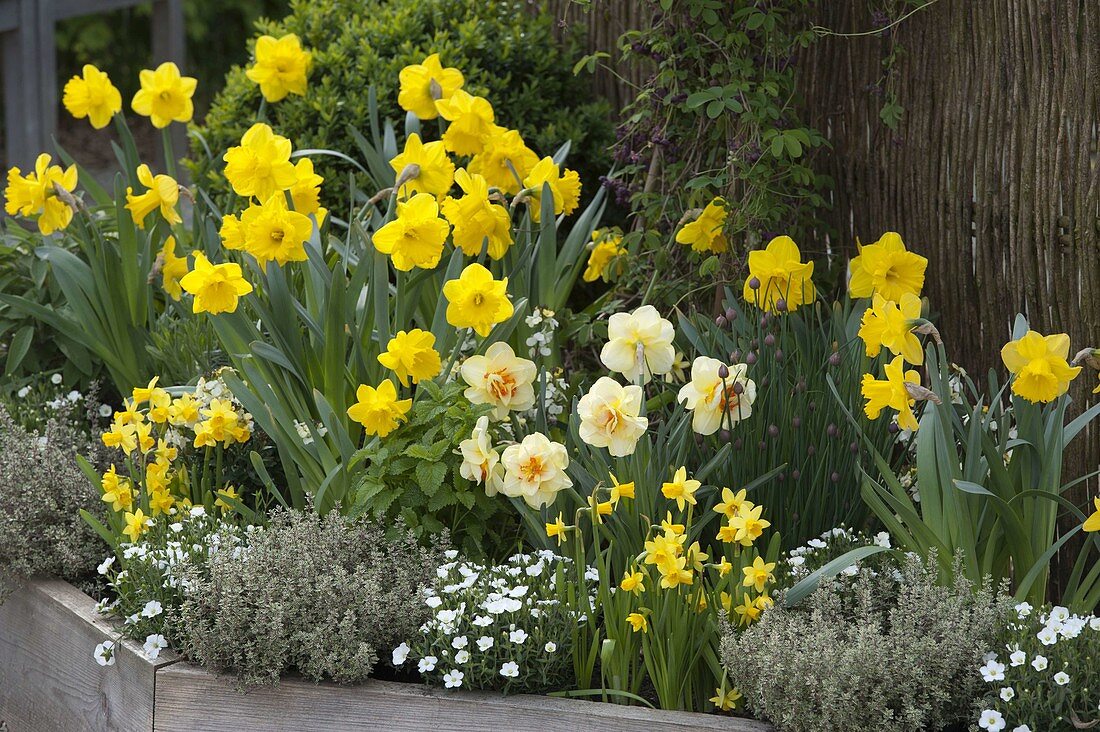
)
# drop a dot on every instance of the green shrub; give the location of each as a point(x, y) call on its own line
point(506, 52)
point(322, 596)
point(884, 652)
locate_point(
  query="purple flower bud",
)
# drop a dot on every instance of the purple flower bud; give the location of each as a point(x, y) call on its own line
point(764, 320)
point(782, 477)
point(796, 422)
point(751, 358)
point(853, 447)
point(769, 340)
point(796, 474)
point(892, 429)
point(813, 406)
point(738, 443)
point(754, 344)
point(773, 431)
point(834, 359)
point(835, 477)
point(780, 305)
point(724, 436)
point(779, 354)
point(735, 356)
point(731, 314)
point(831, 430)
point(811, 450)
point(723, 372)
point(720, 321)
point(754, 283)
point(738, 388)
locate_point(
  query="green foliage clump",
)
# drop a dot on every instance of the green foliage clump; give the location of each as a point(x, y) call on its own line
point(319, 595)
point(42, 490)
point(887, 651)
point(414, 474)
point(507, 53)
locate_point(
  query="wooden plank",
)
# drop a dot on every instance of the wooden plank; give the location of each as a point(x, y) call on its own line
point(191, 699)
point(49, 679)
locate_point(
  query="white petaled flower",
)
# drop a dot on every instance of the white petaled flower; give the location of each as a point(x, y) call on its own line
point(816, 544)
point(479, 459)
point(534, 470)
point(550, 647)
point(610, 415)
point(446, 616)
point(717, 402)
point(453, 679)
point(73, 396)
point(639, 345)
point(1018, 658)
point(1023, 610)
point(1021, 728)
point(1047, 636)
point(462, 656)
point(433, 602)
point(1094, 623)
point(993, 671)
point(105, 410)
point(482, 620)
point(427, 664)
point(197, 511)
point(400, 654)
point(22, 393)
point(1008, 693)
point(882, 539)
point(105, 565)
point(104, 653)
point(510, 669)
point(451, 554)
point(1059, 613)
point(153, 645)
point(1039, 663)
point(517, 636)
point(55, 379)
point(152, 609)
point(500, 378)
point(1061, 678)
point(459, 642)
point(992, 720)
point(484, 643)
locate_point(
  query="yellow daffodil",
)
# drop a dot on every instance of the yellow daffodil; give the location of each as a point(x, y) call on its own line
point(778, 278)
point(273, 233)
point(599, 509)
point(229, 492)
point(117, 491)
point(663, 549)
point(136, 524)
point(606, 249)
point(639, 344)
point(477, 221)
point(633, 582)
point(1092, 523)
point(668, 525)
point(759, 574)
point(887, 268)
point(471, 122)
point(638, 622)
point(476, 300)
point(732, 503)
point(890, 324)
point(505, 161)
point(231, 232)
point(436, 171)
point(557, 529)
point(281, 67)
point(163, 192)
point(378, 409)
point(891, 392)
point(36, 194)
point(480, 462)
point(92, 95)
point(184, 411)
point(724, 567)
point(165, 95)
point(718, 396)
point(610, 416)
point(534, 470)
point(306, 191)
point(620, 490)
point(122, 436)
point(725, 700)
point(424, 84)
point(500, 378)
point(706, 233)
point(1039, 367)
point(216, 287)
point(141, 394)
point(681, 489)
point(172, 269)
point(416, 237)
point(161, 502)
point(675, 573)
point(564, 187)
point(748, 525)
point(412, 354)
point(260, 166)
point(747, 611)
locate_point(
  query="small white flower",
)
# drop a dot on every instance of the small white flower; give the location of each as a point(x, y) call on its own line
point(105, 565)
point(1018, 658)
point(1059, 613)
point(550, 647)
point(197, 511)
point(517, 636)
point(1094, 623)
point(484, 643)
point(55, 379)
point(510, 669)
point(73, 396)
point(153, 645)
point(446, 617)
point(991, 720)
point(796, 561)
point(482, 620)
point(400, 654)
point(1008, 693)
point(850, 571)
point(462, 656)
point(882, 538)
point(459, 642)
point(993, 671)
point(1047, 636)
point(453, 679)
point(105, 653)
point(22, 393)
point(451, 555)
point(1023, 610)
point(816, 543)
point(427, 664)
point(434, 601)
point(1021, 728)
point(1039, 663)
point(105, 410)
point(152, 609)
point(1061, 678)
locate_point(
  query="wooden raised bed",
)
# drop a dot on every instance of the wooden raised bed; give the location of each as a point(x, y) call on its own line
point(50, 681)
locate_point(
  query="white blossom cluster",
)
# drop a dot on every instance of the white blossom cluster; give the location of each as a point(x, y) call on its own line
point(815, 553)
point(543, 323)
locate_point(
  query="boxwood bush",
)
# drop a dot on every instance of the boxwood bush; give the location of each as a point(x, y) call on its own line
point(507, 52)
